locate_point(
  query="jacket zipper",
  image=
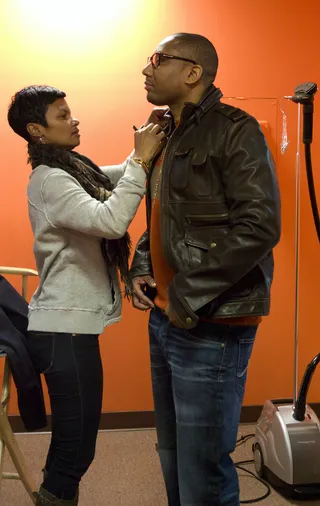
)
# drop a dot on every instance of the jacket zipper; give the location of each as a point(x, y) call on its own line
point(164, 231)
point(204, 217)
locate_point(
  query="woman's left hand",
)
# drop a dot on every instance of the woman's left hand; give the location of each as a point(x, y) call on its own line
point(156, 117)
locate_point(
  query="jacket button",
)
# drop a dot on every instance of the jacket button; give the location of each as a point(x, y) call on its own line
point(213, 245)
point(188, 320)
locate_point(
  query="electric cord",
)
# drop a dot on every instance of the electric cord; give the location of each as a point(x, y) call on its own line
point(300, 404)
point(312, 192)
point(242, 440)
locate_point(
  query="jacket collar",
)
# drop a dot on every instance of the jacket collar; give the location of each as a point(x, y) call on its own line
point(195, 111)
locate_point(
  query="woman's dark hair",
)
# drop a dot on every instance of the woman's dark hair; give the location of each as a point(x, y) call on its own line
point(30, 105)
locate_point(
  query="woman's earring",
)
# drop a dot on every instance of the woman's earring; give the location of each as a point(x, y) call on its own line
point(41, 139)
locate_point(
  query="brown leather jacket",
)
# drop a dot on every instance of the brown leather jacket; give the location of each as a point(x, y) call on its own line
point(220, 213)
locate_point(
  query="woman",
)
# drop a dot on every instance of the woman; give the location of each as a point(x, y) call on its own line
point(79, 215)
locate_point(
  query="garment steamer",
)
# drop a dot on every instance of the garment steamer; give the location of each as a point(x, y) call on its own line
point(287, 436)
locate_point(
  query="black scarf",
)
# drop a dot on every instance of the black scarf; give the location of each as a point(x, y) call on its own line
point(96, 184)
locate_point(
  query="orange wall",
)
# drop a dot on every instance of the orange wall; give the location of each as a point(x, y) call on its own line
point(265, 48)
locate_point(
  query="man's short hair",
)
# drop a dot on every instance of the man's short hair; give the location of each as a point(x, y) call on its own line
point(201, 50)
point(30, 105)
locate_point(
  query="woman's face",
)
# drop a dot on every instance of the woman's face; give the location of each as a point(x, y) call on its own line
point(62, 129)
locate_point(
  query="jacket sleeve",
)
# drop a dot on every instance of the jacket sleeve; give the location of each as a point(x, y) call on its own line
point(252, 195)
point(67, 205)
point(141, 263)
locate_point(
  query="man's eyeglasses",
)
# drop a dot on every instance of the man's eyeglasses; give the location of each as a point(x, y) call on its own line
point(156, 58)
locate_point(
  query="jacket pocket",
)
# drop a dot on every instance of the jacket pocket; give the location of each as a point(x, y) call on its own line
point(179, 173)
point(215, 220)
point(200, 241)
point(201, 174)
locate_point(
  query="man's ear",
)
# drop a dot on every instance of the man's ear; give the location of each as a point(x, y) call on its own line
point(194, 74)
point(34, 130)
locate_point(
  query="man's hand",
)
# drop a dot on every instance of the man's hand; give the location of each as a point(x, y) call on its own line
point(139, 299)
point(173, 317)
point(157, 117)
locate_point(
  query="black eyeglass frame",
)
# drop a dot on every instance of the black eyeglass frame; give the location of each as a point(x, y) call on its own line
point(169, 57)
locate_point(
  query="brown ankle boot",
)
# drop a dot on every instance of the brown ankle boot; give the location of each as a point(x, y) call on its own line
point(44, 498)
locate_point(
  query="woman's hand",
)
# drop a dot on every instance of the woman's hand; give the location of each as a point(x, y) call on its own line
point(157, 116)
point(147, 140)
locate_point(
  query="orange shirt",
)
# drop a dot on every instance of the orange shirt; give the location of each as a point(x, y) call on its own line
point(162, 272)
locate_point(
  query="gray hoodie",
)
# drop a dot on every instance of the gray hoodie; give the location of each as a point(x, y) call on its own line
point(74, 294)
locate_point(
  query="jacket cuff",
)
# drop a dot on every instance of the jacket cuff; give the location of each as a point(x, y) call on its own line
point(185, 314)
point(140, 271)
point(141, 267)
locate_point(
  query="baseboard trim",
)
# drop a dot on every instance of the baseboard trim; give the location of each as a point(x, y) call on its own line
point(109, 421)
point(144, 419)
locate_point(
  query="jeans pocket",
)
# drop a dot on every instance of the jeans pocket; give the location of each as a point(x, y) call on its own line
point(41, 346)
point(245, 350)
point(207, 333)
point(194, 334)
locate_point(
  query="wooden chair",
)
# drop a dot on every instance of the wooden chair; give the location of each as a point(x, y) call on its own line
point(7, 438)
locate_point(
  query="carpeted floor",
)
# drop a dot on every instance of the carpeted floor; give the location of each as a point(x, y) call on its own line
point(126, 472)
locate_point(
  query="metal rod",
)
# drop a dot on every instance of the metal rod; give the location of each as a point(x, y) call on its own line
point(2, 449)
point(297, 259)
point(6, 384)
point(17, 458)
point(10, 476)
point(18, 271)
point(5, 395)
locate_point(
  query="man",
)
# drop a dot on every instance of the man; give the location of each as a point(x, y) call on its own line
point(213, 216)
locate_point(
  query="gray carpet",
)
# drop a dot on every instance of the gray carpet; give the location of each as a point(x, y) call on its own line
point(126, 472)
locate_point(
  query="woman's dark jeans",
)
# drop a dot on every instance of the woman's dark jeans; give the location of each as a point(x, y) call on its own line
point(71, 364)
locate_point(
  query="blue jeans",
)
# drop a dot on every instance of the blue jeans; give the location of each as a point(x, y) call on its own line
point(198, 379)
